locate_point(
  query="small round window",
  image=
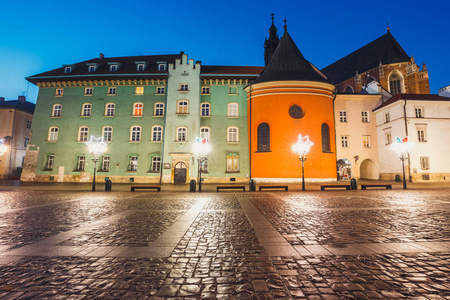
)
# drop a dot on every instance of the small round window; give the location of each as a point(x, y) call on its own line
point(296, 112)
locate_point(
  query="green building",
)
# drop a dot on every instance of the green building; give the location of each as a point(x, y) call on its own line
point(149, 110)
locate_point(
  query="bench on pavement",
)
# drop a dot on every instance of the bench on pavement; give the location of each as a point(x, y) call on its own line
point(228, 187)
point(336, 186)
point(365, 186)
point(261, 187)
point(148, 187)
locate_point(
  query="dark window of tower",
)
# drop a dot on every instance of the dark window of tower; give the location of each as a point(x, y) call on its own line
point(264, 137)
point(394, 84)
point(296, 112)
point(348, 90)
point(325, 138)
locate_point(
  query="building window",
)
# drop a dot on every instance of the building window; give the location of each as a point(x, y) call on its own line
point(232, 163)
point(181, 134)
point(28, 123)
point(91, 69)
point(160, 90)
point(161, 67)
point(159, 109)
point(419, 112)
point(140, 67)
point(424, 163)
point(366, 141)
point(67, 70)
point(81, 161)
point(325, 138)
point(421, 135)
point(83, 133)
point(57, 110)
point(86, 110)
point(135, 134)
point(233, 109)
point(110, 109)
point(113, 68)
point(53, 134)
point(182, 107)
point(26, 141)
point(387, 117)
point(232, 90)
point(88, 91)
point(50, 162)
point(139, 90)
point(156, 133)
point(59, 92)
point(107, 133)
point(343, 116)
point(204, 133)
point(156, 164)
point(111, 91)
point(133, 163)
point(204, 165)
point(395, 84)
point(205, 90)
point(365, 116)
point(263, 137)
point(206, 109)
point(233, 135)
point(184, 87)
point(388, 138)
point(344, 141)
point(348, 90)
point(296, 112)
point(138, 109)
point(105, 163)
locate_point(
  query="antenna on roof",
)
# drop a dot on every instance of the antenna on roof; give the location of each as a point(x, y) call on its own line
point(139, 53)
point(285, 25)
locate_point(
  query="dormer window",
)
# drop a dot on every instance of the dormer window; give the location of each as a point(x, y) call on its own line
point(92, 69)
point(113, 68)
point(140, 67)
point(67, 70)
point(161, 66)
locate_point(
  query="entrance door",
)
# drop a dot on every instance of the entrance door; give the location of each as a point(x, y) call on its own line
point(180, 173)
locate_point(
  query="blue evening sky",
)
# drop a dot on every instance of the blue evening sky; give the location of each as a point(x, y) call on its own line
point(38, 36)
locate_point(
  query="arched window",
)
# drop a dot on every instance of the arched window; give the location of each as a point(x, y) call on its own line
point(107, 133)
point(110, 109)
point(135, 134)
point(263, 137)
point(233, 109)
point(233, 135)
point(348, 90)
point(133, 163)
point(86, 109)
point(56, 111)
point(325, 138)
point(156, 164)
point(204, 133)
point(159, 109)
point(182, 107)
point(83, 133)
point(181, 134)
point(156, 133)
point(206, 109)
point(395, 83)
point(53, 134)
point(138, 109)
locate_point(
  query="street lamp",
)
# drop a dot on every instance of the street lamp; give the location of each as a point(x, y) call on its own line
point(301, 149)
point(201, 149)
point(97, 147)
point(402, 147)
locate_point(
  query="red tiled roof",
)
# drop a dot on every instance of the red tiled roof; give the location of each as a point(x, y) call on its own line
point(417, 97)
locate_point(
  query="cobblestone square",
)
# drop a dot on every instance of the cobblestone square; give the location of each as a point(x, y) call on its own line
point(374, 244)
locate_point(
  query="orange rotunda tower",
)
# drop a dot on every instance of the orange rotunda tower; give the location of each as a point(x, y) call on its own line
point(290, 97)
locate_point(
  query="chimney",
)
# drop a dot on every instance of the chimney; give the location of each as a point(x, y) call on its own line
point(21, 99)
point(2, 99)
point(102, 56)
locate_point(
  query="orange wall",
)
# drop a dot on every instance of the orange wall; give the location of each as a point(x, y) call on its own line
point(281, 162)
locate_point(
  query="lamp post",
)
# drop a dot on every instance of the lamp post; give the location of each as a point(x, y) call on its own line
point(96, 147)
point(402, 147)
point(301, 148)
point(201, 149)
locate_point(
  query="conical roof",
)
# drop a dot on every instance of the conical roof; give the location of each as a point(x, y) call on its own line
point(288, 63)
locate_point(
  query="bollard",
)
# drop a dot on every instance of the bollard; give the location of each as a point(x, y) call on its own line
point(353, 184)
point(192, 185)
point(252, 185)
point(108, 185)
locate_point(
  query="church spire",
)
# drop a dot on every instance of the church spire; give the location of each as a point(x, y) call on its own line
point(271, 43)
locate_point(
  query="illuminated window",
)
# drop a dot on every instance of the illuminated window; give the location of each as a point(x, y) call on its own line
point(232, 163)
point(139, 90)
point(204, 133)
point(205, 90)
point(110, 109)
point(233, 109)
point(365, 116)
point(156, 133)
point(53, 134)
point(138, 109)
point(182, 107)
point(233, 135)
point(105, 163)
point(83, 133)
point(325, 138)
point(344, 141)
point(59, 92)
point(111, 91)
point(160, 90)
point(88, 91)
point(86, 110)
point(133, 163)
point(81, 161)
point(263, 137)
point(56, 112)
point(205, 109)
point(159, 109)
point(156, 164)
point(135, 134)
point(107, 133)
point(181, 134)
point(343, 116)
point(366, 141)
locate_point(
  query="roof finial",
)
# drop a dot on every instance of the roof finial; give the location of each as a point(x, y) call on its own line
point(388, 28)
point(285, 26)
point(272, 14)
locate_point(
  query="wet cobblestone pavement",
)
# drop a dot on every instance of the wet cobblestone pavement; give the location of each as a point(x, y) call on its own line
point(287, 245)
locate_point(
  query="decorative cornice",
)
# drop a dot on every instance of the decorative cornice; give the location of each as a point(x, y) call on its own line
point(86, 83)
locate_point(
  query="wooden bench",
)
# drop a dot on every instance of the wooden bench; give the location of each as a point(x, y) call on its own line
point(365, 186)
point(338, 186)
point(228, 187)
point(261, 187)
point(147, 187)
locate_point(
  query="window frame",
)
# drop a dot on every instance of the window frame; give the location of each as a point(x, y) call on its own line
point(139, 90)
point(133, 163)
point(205, 111)
point(205, 133)
point(156, 109)
point(138, 66)
point(138, 109)
point(419, 112)
point(53, 135)
point(109, 109)
point(387, 117)
point(343, 116)
point(112, 91)
point(158, 133)
point(365, 117)
point(179, 129)
point(56, 112)
point(231, 134)
point(230, 110)
point(83, 135)
point(424, 163)
point(135, 134)
point(59, 92)
point(344, 141)
point(230, 88)
point(91, 89)
point(366, 141)
point(388, 138)
point(155, 166)
point(181, 108)
point(106, 160)
point(206, 90)
point(325, 137)
point(263, 137)
point(84, 109)
point(49, 162)
point(421, 135)
point(184, 87)
point(108, 133)
point(159, 89)
point(81, 163)
point(232, 160)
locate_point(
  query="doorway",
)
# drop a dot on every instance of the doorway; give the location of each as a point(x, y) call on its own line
point(180, 172)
